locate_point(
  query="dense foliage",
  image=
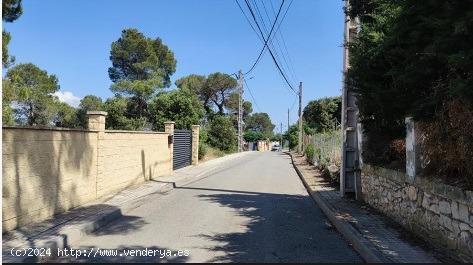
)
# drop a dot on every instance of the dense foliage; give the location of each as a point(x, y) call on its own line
point(260, 122)
point(180, 105)
point(140, 66)
point(11, 11)
point(309, 153)
point(412, 58)
point(222, 134)
point(252, 136)
point(32, 90)
point(323, 114)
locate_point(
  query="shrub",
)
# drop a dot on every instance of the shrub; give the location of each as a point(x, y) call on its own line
point(222, 134)
point(448, 145)
point(309, 154)
point(203, 149)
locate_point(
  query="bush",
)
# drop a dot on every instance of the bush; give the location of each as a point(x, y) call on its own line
point(203, 146)
point(448, 145)
point(203, 149)
point(309, 153)
point(222, 134)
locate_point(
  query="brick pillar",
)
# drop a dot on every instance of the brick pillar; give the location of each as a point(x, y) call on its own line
point(169, 128)
point(195, 144)
point(96, 122)
point(413, 155)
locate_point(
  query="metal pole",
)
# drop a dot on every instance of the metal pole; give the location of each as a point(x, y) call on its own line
point(299, 145)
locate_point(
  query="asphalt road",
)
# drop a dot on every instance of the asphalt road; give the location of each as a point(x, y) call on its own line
point(255, 210)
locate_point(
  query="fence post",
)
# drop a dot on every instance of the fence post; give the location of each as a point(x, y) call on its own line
point(195, 144)
point(169, 128)
point(413, 164)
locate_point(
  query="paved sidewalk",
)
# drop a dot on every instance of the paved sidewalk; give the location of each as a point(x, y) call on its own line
point(66, 228)
point(372, 235)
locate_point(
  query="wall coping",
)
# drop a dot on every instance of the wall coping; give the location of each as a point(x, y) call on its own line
point(97, 112)
point(135, 132)
point(45, 128)
point(426, 184)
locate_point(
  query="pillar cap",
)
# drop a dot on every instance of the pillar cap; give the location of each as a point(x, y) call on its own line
point(96, 112)
point(195, 126)
point(169, 122)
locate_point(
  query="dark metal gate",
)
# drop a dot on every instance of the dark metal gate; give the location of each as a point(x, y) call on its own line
point(182, 151)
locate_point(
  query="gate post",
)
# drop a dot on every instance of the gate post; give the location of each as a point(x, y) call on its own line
point(195, 144)
point(169, 128)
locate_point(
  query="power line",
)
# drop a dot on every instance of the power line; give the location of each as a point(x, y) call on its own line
point(272, 55)
point(247, 19)
point(270, 45)
point(285, 64)
point(266, 41)
point(291, 64)
point(251, 94)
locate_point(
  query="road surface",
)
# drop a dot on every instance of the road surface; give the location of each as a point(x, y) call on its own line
point(254, 210)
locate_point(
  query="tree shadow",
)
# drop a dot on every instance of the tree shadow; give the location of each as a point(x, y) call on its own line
point(41, 170)
point(280, 228)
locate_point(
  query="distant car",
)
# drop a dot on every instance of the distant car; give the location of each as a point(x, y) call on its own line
point(275, 148)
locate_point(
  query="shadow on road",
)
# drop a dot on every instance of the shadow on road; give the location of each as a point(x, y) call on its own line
point(280, 228)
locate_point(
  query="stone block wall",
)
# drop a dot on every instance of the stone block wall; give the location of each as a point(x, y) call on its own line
point(439, 213)
point(130, 158)
point(49, 171)
point(46, 171)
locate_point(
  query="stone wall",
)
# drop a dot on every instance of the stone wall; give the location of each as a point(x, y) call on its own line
point(439, 213)
point(46, 171)
point(130, 158)
point(49, 171)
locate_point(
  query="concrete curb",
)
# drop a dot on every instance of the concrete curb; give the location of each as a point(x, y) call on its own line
point(366, 250)
point(73, 233)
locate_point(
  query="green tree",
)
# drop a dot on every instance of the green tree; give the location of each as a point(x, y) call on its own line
point(180, 105)
point(7, 60)
point(232, 105)
point(323, 114)
point(252, 136)
point(65, 116)
point(222, 133)
point(117, 108)
point(140, 66)
point(197, 85)
point(292, 135)
point(88, 103)
point(7, 98)
point(11, 11)
point(260, 122)
point(220, 86)
point(33, 89)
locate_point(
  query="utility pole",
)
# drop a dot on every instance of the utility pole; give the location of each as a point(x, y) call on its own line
point(240, 111)
point(350, 173)
point(288, 128)
point(281, 144)
point(299, 145)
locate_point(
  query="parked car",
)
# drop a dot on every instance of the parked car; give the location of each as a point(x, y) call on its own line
point(275, 148)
